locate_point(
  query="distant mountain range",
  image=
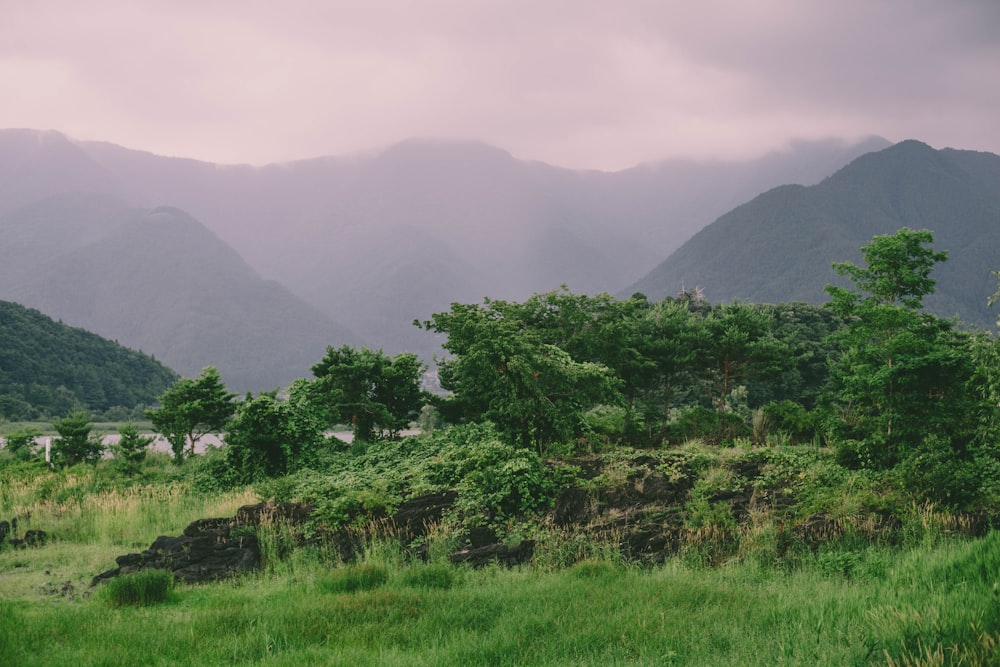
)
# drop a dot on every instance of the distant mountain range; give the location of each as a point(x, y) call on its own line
point(780, 245)
point(372, 242)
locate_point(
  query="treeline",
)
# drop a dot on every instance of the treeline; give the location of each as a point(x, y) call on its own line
point(49, 369)
point(871, 375)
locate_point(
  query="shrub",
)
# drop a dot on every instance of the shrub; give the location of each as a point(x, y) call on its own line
point(139, 589)
point(435, 576)
point(791, 418)
point(354, 578)
point(709, 425)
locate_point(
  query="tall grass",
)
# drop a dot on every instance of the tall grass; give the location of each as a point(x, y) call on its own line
point(933, 605)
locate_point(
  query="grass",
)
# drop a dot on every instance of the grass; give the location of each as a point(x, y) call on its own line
point(935, 601)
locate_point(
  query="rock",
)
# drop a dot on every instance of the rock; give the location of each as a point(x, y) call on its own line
point(210, 549)
point(415, 516)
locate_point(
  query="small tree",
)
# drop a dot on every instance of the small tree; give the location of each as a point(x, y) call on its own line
point(22, 444)
point(131, 448)
point(370, 390)
point(75, 444)
point(191, 409)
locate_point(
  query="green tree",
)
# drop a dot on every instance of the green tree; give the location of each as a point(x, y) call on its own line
point(22, 444)
point(269, 437)
point(131, 449)
point(904, 374)
point(502, 370)
point(896, 272)
point(75, 443)
point(738, 346)
point(191, 409)
point(369, 390)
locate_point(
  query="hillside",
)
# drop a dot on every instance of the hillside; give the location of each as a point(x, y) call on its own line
point(779, 246)
point(159, 281)
point(375, 241)
point(47, 367)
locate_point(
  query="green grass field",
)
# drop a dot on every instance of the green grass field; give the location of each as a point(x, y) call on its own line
point(935, 603)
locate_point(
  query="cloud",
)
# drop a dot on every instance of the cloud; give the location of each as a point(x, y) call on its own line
point(582, 83)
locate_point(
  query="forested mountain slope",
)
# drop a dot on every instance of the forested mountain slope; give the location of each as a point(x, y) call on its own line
point(779, 246)
point(47, 368)
point(159, 281)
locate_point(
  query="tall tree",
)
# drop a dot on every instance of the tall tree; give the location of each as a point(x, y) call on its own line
point(369, 390)
point(503, 370)
point(191, 409)
point(738, 345)
point(904, 374)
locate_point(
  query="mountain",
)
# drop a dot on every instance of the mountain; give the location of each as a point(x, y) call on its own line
point(47, 368)
point(160, 281)
point(779, 246)
point(378, 240)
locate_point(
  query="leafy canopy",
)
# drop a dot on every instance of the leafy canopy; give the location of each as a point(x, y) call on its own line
point(191, 409)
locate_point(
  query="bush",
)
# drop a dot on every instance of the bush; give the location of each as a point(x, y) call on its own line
point(791, 418)
point(139, 589)
point(936, 472)
point(708, 425)
point(435, 576)
point(354, 578)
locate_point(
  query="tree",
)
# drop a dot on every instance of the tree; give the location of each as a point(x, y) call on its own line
point(904, 374)
point(132, 447)
point(896, 272)
point(75, 444)
point(369, 390)
point(191, 409)
point(738, 345)
point(502, 370)
point(22, 444)
point(269, 437)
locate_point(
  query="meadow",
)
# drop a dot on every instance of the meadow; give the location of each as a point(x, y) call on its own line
point(934, 600)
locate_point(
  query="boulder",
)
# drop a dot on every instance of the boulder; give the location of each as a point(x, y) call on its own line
point(210, 549)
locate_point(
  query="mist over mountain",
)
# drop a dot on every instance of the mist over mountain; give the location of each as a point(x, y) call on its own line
point(159, 281)
point(780, 245)
point(375, 241)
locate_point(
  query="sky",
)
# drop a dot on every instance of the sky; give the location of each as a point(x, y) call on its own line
point(577, 83)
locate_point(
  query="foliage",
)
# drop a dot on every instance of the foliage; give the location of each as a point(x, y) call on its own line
point(905, 374)
point(369, 390)
point(507, 373)
point(493, 480)
point(139, 589)
point(269, 437)
point(22, 444)
point(48, 368)
point(75, 443)
point(191, 409)
point(132, 447)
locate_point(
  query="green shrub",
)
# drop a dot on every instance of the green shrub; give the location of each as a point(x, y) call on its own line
point(139, 589)
point(354, 578)
point(709, 425)
point(791, 418)
point(936, 472)
point(436, 576)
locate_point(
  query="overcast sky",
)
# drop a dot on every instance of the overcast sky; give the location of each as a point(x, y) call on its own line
point(575, 83)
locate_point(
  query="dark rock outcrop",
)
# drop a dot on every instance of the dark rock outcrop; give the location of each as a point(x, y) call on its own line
point(211, 549)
